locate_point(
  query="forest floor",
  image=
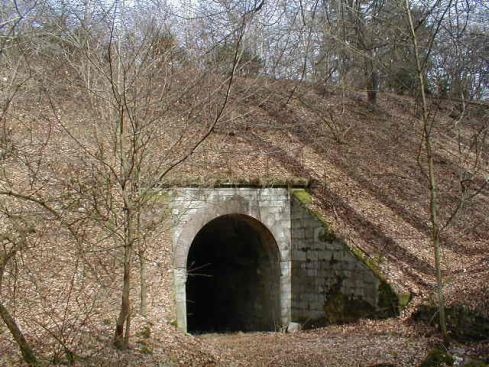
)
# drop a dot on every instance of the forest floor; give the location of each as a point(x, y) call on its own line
point(389, 343)
point(369, 187)
point(381, 343)
point(367, 343)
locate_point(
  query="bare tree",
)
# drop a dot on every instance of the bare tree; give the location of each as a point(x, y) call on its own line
point(16, 228)
point(471, 173)
point(435, 231)
point(141, 105)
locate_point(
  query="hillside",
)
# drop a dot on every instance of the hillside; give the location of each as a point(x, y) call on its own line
point(364, 176)
point(362, 170)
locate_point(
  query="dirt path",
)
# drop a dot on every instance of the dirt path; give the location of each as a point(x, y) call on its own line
point(364, 344)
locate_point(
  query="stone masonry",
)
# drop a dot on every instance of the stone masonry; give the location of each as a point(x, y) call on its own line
point(318, 273)
point(193, 208)
point(324, 268)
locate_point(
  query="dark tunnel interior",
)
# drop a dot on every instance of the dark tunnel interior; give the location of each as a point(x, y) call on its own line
point(233, 279)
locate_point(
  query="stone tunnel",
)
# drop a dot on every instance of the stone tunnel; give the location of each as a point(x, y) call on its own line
point(258, 259)
point(233, 277)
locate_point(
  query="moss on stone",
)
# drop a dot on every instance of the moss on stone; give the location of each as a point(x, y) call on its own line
point(334, 308)
point(390, 302)
point(327, 236)
point(438, 357)
point(225, 181)
point(159, 196)
point(303, 196)
point(372, 263)
point(340, 309)
point(463, 324)
point(474, 363)
point(404, 299)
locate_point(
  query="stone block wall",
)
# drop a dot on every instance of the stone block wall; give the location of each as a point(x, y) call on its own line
point(329, 283)
point(321, 280)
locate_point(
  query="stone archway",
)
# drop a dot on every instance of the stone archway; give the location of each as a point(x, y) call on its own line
point(233, 277)
point(264, 213)
point(307, 271)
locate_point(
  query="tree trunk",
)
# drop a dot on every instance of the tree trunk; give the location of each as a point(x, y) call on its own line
point(435, 235)
point(127, 332)
point(144, 285)
point(25, 348)
point(372, 82)
point(121, 339)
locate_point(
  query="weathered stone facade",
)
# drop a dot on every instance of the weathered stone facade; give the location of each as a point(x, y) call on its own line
point(320, 278)
point(193, 208)
point(324, 269)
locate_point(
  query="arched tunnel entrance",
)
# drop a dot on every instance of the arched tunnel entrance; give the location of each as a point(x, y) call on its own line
point(233, 282)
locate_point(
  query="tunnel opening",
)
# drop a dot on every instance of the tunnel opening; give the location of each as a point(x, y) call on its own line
point(233, 279)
